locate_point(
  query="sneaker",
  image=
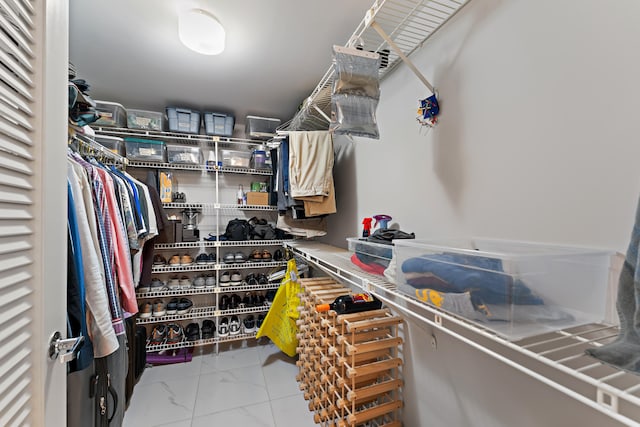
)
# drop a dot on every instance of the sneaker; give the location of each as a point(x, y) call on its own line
point(159, 309)
point(158, 334)
point(259, 300)
point(249, 324)
point(172, 306)
point(202, 259)
point(212, 258)
point(234, 301)
point(145, 310)
point(247, 300)
point(192, 332)
point(199, 282)
point(240, 257)
point(223, 327)
point(263, 279)
point(159, 260)
point(185, 282)
point(186, 260)
point(156, 285)
point(234, 325)
point(277, 255)
point(184, 305)
point(208, 327)
point(229, 258)
point(174, 333)
point(266, 256)
point(174, 261)
point(225, 279)
point(224, 302)
point(252, 280)
point(259, 321)
point(236, 278)
point(210, 281)
point(173, 283)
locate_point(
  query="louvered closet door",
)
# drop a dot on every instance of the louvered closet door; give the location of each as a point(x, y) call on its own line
point(32, 181)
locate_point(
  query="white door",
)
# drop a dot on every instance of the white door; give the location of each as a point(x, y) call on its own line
point(33, 121)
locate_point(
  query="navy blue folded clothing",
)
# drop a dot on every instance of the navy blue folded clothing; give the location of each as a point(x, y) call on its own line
point(453, 272)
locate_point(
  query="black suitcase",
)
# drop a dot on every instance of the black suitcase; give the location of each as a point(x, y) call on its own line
point(140, 351)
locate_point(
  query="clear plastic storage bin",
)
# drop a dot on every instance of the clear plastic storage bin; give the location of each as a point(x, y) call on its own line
point(147, 120)
point(236, 159)
point(218, 124)
point(184, 154)
point(369, 256)
point(112, 114)
point(183, 120)
point(516, 289)
point(261, 127)
point(146, 150)
point(112, 143)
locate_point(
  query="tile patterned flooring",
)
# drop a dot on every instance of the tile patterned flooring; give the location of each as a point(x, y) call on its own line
point(246, 384)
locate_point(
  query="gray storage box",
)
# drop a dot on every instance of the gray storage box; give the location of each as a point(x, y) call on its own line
point(261, 127)
point(218, 124)
point(183, 120)
point(184, 154)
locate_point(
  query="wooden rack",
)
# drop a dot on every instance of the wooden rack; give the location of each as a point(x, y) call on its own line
point(349, 365)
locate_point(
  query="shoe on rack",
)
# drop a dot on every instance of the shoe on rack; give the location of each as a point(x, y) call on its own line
point(184, 305)
point(257, 300)
point(202, 259)
point(259, 321)
point(252, 280)
point(223, 327)
point(158, 335)
point(159, 308)
point(174, 333)
point(185, 282)
point(240, 257)
point(173, 283)
point(159, 260)
point(229, 258)
point(270, 295)
point(266, 256)
point(145, 310)
point(210, 281)
point(234, 325)
point(234, 301)
point(277, 255)
point(249, 324)
point(255, 256)
point(156, 285)
point(208, 327)
point(199, 282)
point(172, 306)
point(224, 302)
point(212, 258)
point(247, 300)
point(174, 261)
point(225, 279)
point(192, 332)
point(186, 259)
point(236, 278)
point(263, 279)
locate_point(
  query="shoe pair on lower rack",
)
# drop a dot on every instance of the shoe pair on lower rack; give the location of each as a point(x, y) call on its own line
point(193, 331)
point(232, 258)
point(229, 326)
point(166, 334)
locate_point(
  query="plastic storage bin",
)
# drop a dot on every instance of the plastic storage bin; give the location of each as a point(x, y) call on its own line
point(112, 114)
point(218, 124)
point(515, 289)
point(368, 256)
point(184, 154)
point(236, 159)
point(258, 160)
point(146, 150)
point(261, 127)
point(112, 143)
point(147, 120)
point(183, 120)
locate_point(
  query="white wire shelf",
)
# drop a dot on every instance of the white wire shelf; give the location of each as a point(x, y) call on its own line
point(219, 244)
point(213, 267)
point(555, 358)
point(408, 23)
point(220, 206)
point(194, 313)
point(206, 291)
point(198, 168)
point(198, 343)
point(182, 138)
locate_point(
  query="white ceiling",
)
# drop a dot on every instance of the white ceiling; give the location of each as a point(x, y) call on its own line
point(276, 52)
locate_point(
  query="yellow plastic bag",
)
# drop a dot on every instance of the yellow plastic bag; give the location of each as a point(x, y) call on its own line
point(278, 324)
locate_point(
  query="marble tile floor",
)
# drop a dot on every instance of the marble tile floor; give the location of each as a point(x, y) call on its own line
point(245, 384)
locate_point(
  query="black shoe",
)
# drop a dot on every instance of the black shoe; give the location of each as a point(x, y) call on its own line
point(251, 279)
point(234, 301)
point(193, 332)
point(259, 321)
point(234, 325)
point(202, 259)
point(208, 327)
point(224, 302)
point(277, 255)
point(249, 324)
point(270, 295)
point(184, 305)
point(263, 279)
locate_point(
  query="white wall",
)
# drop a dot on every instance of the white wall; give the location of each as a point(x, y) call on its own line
point(537, 141)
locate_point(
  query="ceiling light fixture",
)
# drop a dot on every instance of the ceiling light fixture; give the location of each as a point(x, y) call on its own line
point(201, 32)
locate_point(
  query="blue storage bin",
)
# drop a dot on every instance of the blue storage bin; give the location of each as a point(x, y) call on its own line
point(218, 124)
point(183, 120)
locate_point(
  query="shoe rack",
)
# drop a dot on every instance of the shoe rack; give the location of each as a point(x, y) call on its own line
point(349, 365)
point(210, 189)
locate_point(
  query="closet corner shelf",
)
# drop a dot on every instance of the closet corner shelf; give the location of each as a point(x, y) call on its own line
point(219, 244)
point(556, 358)
point(406, 23)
